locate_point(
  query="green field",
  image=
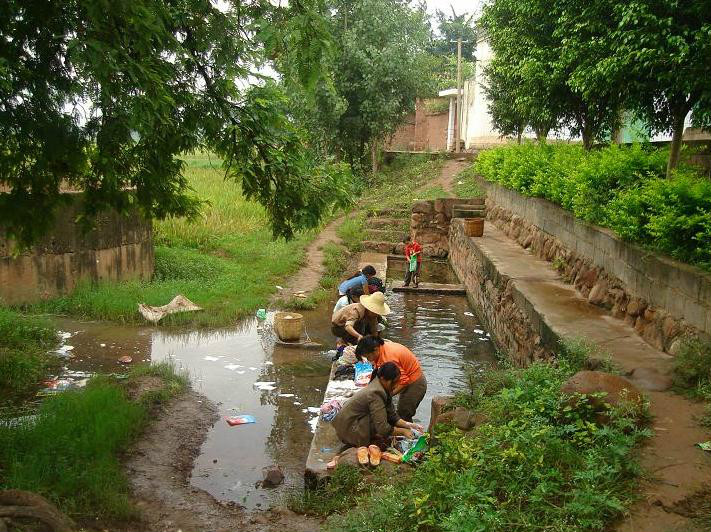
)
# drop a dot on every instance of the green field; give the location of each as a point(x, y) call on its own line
point(226, 261)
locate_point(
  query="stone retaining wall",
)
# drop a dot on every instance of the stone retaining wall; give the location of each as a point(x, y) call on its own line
point(430, 221)
point(661, 298)
point(119, 248)
point(497, 301)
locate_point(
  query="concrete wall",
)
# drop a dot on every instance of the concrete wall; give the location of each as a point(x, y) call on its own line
point(662, 298)
point(120, 248)
point(497, 300)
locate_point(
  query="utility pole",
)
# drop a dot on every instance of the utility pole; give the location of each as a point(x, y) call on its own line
point(458, 118)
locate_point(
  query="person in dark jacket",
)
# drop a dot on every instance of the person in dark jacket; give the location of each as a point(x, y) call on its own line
point(369, 416)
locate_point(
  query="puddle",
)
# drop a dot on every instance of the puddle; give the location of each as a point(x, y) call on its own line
point(225, 364)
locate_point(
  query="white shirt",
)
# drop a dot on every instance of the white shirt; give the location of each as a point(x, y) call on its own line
point(342, 302)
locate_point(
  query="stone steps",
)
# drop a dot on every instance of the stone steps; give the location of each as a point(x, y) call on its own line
point(387, 235)
point(391, 223)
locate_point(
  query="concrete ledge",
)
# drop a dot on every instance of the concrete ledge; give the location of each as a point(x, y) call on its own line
point(529, 309)
point(431, 288)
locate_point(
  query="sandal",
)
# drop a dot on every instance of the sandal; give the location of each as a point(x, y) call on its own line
point(362, 454)
point(375, 454)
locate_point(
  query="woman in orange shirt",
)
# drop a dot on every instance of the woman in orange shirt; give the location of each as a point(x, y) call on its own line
point(412, 385)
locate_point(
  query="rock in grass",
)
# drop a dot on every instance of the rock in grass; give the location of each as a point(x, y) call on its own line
point(272, 476)
point(650, 379)
point(613, 390)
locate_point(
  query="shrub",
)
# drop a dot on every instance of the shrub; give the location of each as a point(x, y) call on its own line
point(620, 187)
point(24, 342)
point(537, 462)
point(692, 365)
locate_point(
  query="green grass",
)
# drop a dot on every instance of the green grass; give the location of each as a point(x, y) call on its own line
point(469, 187)
point(69, 453)
point(535, 462)
point(352, 232)
point(225, 262)
point(24, 362)
point(692, 373)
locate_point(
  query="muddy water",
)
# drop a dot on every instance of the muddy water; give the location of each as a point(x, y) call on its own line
point(224, 364)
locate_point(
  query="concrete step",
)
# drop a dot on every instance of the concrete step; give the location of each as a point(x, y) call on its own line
point(379, 246)
point(386, 235)
point(392, 223)
point(431, 288)
point(469, 212)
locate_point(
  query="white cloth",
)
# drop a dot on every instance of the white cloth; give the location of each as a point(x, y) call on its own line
point(342, 302)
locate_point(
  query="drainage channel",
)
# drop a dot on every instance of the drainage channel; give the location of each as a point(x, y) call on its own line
point(225, 364)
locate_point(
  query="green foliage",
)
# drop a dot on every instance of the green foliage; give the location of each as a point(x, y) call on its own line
point(225, 261)
point(537, 462)
point(344, 486)
point(469, 188)
point(622, 188)
point(24, 362)
point(69, 453)
point(351, 232)
point(375, 73)
point(106, 96)
point(453, 27)
point(692, 365)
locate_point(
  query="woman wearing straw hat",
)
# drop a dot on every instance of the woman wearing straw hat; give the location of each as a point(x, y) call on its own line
point(354, 320)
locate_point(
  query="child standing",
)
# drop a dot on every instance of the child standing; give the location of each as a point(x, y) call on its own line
point(413, 255)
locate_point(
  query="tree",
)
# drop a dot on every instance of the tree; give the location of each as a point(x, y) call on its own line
point(662, 49)
point(106, 95)
point(378, 67)
point(550, 48)
point(451, 28)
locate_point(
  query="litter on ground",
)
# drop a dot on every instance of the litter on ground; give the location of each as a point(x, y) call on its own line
point(232, 367)
point(211, 359)
point(179, 303)
point(240, 420)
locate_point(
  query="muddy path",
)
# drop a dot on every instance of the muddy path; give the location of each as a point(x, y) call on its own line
point(159, 468)
point(308, 277)
point(446, 177)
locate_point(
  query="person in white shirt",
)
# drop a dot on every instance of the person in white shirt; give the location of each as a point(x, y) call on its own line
point(352, 296)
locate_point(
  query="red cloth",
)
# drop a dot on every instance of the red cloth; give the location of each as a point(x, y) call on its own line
point(411, 248)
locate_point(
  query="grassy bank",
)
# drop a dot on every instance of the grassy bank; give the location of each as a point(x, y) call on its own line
point(536, 461)
point(225, 262)
point(623, 188)
point(24, 362)
point(396, 186)
point(69, 451)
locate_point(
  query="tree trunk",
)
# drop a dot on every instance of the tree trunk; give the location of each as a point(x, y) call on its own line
point(616, 135)
point(374, 156)
point(542, 134)
point(675, 148)
point(518, 137)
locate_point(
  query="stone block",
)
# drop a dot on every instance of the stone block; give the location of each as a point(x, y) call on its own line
point(598, 294)
point(423, 207)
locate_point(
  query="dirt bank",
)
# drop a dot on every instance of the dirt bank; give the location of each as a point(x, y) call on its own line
point(159, 467)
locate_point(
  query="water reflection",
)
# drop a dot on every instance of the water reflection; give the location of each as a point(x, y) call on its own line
point(225, 363)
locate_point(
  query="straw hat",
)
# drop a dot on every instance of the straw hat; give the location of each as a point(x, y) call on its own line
point(375, 303)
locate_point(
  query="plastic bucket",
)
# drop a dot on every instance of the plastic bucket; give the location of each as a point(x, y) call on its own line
point(474, 226)
point(288, 326)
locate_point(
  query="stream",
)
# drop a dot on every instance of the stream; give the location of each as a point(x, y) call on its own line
point(225, 364)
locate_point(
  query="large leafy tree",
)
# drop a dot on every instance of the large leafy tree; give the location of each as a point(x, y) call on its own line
point(451, 28)
point(661, 51)
point(105, 96)
point(378, 66)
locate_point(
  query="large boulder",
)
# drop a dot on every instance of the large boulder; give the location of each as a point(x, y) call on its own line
point(614, 390)
point(439, 403)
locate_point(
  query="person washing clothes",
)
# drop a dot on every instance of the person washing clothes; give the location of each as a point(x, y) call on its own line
point(369, 416)
point(359, 278)
point(412, 385)
point(352, 296)
point(353, 321)
point(413, 256)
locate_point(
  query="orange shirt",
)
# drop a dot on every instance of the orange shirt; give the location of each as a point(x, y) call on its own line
point(403, 358)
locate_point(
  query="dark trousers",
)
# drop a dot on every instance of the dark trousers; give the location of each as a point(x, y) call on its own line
point(339, 331)
point(410, 398)
point(413, 276)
